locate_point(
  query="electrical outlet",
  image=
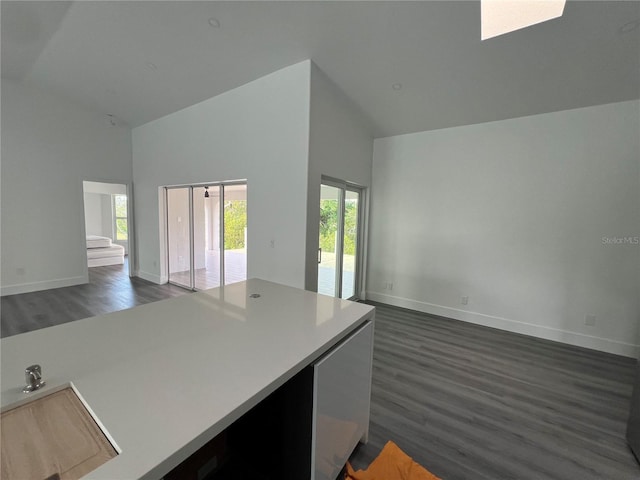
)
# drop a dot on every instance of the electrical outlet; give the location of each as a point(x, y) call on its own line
point(464, 300)
point(390, 286)
point(590, 320)
point(20, 271)
point(385, 286)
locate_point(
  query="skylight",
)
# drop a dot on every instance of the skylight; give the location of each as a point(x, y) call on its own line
point(504, 16)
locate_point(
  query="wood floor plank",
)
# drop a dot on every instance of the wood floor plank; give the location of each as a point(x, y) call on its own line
point(471, 402)
point(466, 401)
point(109, 289)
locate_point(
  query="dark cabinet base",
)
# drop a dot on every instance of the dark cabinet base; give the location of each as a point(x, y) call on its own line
point(270, 442)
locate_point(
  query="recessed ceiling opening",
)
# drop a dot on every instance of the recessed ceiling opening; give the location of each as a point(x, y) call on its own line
point(504, 16)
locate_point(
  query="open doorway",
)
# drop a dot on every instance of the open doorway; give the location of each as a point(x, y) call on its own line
point(107, 226)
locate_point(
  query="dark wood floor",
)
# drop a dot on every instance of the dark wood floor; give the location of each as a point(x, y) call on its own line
point(465, 401)
point(470, 402)
point(109, 289)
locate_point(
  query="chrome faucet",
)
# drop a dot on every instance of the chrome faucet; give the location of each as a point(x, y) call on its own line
point(33, 378)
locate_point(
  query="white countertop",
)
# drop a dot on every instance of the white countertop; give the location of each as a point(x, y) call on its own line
point(166, 377)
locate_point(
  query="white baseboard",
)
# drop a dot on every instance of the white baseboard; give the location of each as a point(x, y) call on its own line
point(42, 285)
point(151, 277)
point(540, 331)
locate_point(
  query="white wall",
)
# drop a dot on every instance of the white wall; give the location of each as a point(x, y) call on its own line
point(107, 217)
point(49, 146)
point(104, 188)
point(93, 213)
point(98, 215)
point(259, 132)
point(512, 214)
point(340, 146)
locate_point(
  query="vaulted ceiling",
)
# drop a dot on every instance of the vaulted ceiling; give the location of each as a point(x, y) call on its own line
point(408, 66)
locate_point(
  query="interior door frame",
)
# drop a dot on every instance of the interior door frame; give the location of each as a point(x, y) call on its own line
point(345, 186)
point(131, 245)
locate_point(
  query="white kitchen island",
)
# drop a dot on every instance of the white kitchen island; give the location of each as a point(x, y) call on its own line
point(164, 378)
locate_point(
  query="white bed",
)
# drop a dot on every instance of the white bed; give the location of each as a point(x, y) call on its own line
point(101, 251)
point(96, 241)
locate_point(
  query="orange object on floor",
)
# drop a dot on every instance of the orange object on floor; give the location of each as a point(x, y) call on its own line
point(391, 464)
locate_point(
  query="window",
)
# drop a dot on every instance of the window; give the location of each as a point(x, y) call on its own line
point(120, 230)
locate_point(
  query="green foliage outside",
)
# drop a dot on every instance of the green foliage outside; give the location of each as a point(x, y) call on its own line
point(120, 202)
point(120, 206)
point(121, 229)
point(235, 221)
point(329, 225)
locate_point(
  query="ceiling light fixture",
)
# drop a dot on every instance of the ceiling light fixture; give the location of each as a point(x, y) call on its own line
point(111, 120)
point(397, 86)
point(214, 22)
point(504, 16)
point(630, 26)
point(151, 66)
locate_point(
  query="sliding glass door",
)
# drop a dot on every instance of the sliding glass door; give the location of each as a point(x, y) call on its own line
point(340, 237)
point(350, 242)
point(235, 233)
point(206, 244)
point(328, 261)
point(179, 236)
point(206, 234)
